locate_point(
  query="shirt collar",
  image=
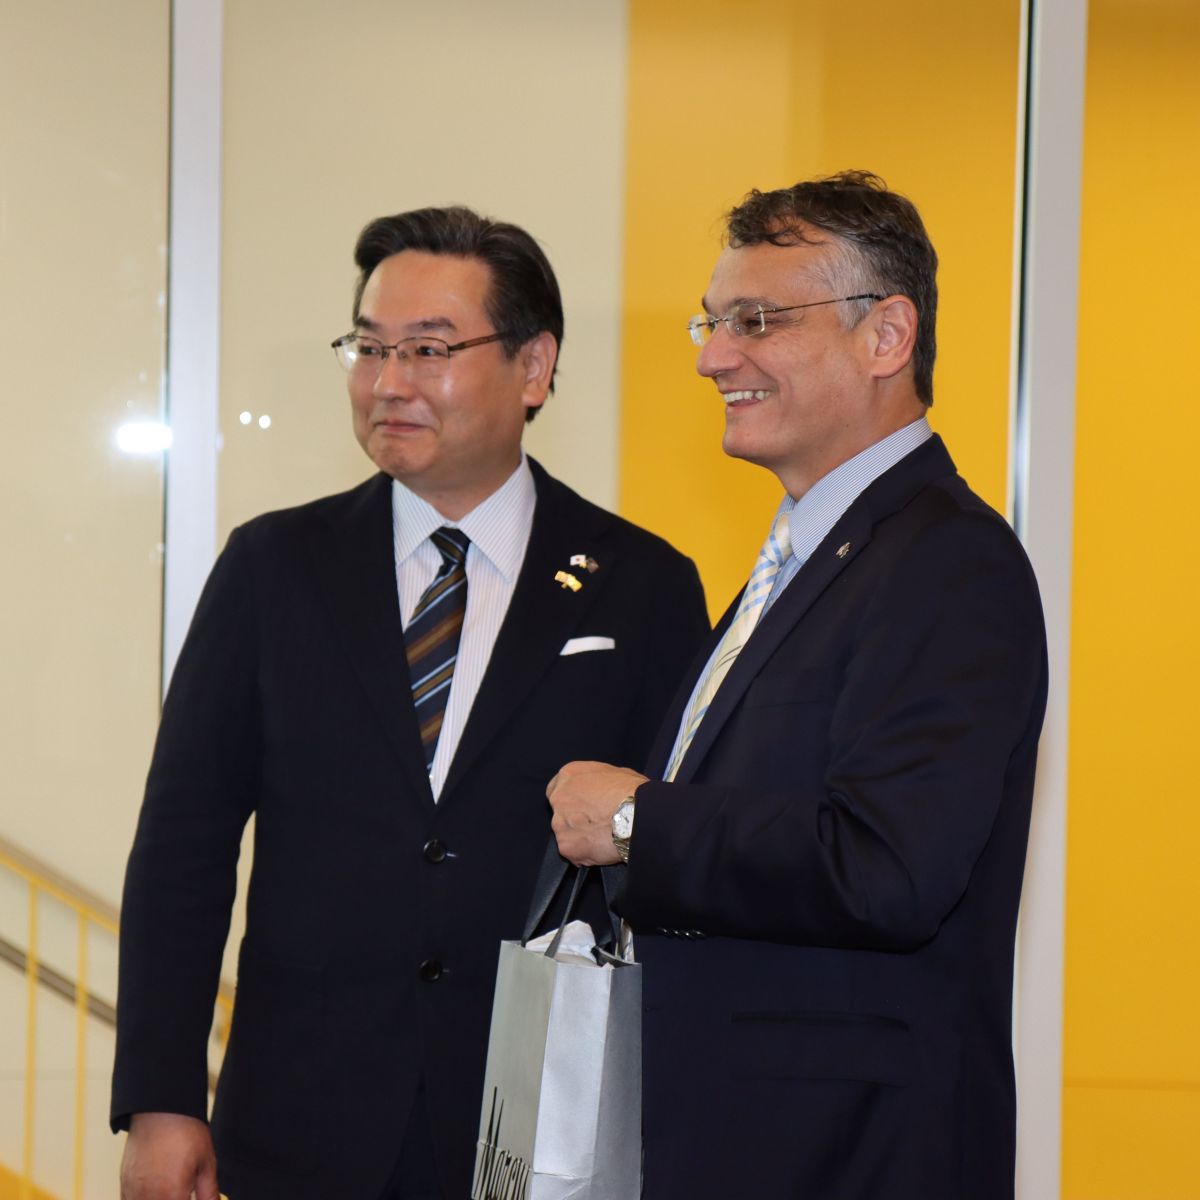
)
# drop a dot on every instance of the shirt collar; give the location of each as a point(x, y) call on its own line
point(818, 510)
point(498, 527)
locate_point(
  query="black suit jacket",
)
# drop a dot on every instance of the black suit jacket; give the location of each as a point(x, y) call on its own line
point(826, 897)
point(374, 916)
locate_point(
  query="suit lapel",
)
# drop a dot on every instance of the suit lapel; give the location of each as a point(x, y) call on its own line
point(848, 538)
point(354, 562)
point(540, 617)
point(821, 569)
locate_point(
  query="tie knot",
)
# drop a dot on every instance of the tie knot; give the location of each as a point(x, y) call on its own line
point(452, 543)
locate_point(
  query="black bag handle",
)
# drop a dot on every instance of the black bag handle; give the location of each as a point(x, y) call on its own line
point(551, 876)
point(576, 891)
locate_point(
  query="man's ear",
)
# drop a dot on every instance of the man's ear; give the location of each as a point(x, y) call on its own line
point(893, 334)
point(538, 357)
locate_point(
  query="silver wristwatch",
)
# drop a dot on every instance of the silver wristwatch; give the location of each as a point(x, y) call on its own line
point(622, 827)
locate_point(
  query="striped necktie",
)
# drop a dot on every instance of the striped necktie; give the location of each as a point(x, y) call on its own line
point(432, 637)
point(771, 557)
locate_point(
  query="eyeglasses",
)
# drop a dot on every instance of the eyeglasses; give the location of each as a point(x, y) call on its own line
point(427, 355)
point(749, 320)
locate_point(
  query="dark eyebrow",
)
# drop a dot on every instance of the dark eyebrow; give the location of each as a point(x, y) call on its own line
point(433, 325)
point(426, 325)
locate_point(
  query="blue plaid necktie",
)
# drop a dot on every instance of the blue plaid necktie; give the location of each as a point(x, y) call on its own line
point(432, 637)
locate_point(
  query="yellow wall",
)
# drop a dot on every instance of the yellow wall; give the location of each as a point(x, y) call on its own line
point(718, 105)
point(720, 102)
point(1132, 1049)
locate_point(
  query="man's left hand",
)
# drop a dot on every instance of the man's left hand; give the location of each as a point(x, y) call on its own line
point(584, 796)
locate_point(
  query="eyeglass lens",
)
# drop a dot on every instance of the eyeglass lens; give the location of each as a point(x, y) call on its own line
point(743, 321)
point(367, 354)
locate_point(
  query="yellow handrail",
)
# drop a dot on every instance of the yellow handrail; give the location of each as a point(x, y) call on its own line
point(47, 880)
point(90, 912)
point(31, 975)
point(81, 1014)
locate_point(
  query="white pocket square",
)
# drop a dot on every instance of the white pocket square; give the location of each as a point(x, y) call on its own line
point(580, 645)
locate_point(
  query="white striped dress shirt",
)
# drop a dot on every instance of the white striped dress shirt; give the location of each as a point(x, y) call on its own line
point(499, 530)
point(822, 506)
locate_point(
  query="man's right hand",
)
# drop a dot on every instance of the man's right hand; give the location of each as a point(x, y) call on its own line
point(168, 1157)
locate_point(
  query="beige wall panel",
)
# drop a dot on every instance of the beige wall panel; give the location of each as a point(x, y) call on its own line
point(516, 110)
point(331, 120)
point(83, 183)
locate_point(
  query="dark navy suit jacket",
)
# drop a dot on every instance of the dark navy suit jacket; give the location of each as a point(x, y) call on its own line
point(374, 916)
point(826, 897)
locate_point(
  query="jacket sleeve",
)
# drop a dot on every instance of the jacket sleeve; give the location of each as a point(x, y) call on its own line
point(181, 875)
point(858, 822)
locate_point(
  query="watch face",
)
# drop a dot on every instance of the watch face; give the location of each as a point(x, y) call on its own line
point(622, 822)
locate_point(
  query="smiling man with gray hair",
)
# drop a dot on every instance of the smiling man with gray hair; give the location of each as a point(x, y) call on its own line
point(825, 862)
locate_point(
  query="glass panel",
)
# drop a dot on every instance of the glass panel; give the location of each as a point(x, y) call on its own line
point(83, 193)
point(541, 147)
point(538, 143)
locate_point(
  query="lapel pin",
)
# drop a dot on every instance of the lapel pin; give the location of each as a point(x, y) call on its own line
point(568, 580)
point(843, 550)
point(585, 560)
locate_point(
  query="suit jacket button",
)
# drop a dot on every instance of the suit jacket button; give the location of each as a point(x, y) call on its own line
point(430, 970)
point(434, 851)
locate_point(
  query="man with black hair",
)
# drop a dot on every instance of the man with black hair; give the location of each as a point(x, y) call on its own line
point(825, 863)
point(385, 678)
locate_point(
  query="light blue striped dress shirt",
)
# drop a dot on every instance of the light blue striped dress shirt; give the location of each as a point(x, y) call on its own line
point(499, 530)
point(820, 508)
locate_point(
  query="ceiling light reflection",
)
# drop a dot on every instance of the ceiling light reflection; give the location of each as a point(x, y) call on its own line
point(143, 437)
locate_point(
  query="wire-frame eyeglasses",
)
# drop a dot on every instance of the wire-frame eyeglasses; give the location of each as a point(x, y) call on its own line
point(750, 320)
point(357, 352)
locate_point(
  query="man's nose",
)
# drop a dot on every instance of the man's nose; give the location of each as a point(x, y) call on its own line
point(395, 376)
point(720, 353)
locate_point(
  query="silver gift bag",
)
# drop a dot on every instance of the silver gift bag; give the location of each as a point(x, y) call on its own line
point(562, 1103)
